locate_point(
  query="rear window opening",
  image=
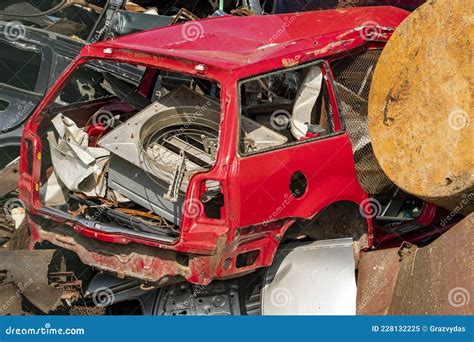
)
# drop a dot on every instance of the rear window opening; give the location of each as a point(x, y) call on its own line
point(283, 108)
point(123, 157)
point(20, 67)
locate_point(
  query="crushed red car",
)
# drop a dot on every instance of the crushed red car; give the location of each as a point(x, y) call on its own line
point(244, 133)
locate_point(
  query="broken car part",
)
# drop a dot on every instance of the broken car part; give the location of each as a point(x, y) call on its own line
point(323, 270)
point(275, 291)
point(208, 186)
point(78, 166)
point(221, 298)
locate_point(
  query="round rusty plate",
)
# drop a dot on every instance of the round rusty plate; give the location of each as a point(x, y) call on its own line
point(421, 104)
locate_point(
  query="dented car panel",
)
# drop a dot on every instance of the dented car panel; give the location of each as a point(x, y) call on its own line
point(246, 234)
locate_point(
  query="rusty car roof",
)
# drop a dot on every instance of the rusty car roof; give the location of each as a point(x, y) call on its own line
point(231, 42)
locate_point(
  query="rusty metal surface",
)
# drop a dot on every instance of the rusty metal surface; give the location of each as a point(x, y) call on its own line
point(434, 280)
point(137, 261)
point(377, 275)
point(438, 279)
point(421, 105)
point(10, 300)
point(28, 272)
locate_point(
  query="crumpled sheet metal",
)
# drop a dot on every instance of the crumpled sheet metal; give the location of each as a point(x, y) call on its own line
point(53, 193)
point(437, 279)
point(79, 167)
point(27, 271)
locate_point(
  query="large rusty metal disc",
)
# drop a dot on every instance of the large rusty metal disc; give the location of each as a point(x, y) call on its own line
point(421, 105)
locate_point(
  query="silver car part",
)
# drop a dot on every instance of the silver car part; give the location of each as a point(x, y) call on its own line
point(315, 278)
point(78, 166)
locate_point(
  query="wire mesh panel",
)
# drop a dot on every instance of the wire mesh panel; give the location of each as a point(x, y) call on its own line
point(353, 76)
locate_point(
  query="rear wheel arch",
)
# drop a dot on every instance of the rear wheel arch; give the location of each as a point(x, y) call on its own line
point(340, 219)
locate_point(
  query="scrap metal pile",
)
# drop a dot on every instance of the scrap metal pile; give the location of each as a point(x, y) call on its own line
point(206, 157)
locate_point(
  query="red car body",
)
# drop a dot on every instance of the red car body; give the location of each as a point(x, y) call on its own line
point(256, 214)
